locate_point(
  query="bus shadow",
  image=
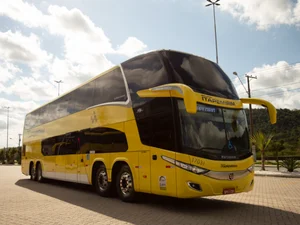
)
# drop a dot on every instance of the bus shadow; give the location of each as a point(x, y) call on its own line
point(153, 209)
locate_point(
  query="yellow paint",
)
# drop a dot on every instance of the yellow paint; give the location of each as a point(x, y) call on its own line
point(190, 97)
point(146, 170)
point(271, 109)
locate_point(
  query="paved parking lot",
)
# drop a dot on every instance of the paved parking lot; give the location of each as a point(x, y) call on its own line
point(273, 201)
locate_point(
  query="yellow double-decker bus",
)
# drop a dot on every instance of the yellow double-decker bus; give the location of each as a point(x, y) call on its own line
point(165, 122)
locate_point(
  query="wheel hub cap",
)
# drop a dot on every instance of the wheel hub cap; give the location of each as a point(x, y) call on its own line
point(102, 180)
point(126, 183)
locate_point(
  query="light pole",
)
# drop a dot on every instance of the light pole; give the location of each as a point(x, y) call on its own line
point(58, 82)
point(214, 3)
point(7, 127)
point(20, 140)
point(250, 107)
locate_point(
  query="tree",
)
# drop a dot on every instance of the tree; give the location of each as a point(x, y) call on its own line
point(2, 155)
point(262, 142)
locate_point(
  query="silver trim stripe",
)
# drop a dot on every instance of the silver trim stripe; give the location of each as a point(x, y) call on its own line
point(228, 175)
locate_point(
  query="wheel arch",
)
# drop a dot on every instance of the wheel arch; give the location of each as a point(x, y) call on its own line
point(96, 164)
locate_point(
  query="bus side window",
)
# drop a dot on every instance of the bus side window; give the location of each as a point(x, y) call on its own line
point(103, 140)
point(47, 146)
point(163, 131)
point(69, 144)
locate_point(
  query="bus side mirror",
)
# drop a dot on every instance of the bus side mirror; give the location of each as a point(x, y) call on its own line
point(271, 109)
point(173, 90)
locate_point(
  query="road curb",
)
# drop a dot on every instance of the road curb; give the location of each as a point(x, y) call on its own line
point(277, 175)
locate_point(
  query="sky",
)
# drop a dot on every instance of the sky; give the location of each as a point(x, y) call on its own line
point(75, 40)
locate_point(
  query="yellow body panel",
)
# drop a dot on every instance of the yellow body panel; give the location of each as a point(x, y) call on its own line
point(151, 174)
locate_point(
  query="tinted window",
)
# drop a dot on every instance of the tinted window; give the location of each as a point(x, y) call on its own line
point(35, 116)
point(155, 123)
point(47, 146)
point(69, 144)
point(110, 88)
point(103, 140)
point(83, 97)
point(29, 121)
point(144, 72)
point(62, 106)
point(200, 74)
point(61, 145)
point(50, 113)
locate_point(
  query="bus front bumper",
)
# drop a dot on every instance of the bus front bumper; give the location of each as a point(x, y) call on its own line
point(214, 183)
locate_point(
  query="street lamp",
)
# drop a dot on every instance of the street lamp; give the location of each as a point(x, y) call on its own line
point(7, 127)
point(58, 82)
point(214, 3)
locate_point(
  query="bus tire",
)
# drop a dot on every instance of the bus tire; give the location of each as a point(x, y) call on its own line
point(32, 172)
point(103, 187)
point(39, 173)
point(124, 185)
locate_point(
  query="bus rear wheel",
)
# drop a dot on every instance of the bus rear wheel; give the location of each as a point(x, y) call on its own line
point(124, 184)
point(102, 185)
point(39, 173)
point(32, 172)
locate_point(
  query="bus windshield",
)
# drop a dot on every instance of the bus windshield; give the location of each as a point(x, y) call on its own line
point(214, 133)
point(201, 75)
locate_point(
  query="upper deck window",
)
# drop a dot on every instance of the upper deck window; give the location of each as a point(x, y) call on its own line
point(201, 74)
point(110, 88)
point(142, 72)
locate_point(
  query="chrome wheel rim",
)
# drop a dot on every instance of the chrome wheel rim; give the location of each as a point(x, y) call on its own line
point(102, 181)
point(126, 183)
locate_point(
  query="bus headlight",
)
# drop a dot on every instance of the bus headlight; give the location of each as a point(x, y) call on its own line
point(185, 166)
point(251, 169)
point(191, 168)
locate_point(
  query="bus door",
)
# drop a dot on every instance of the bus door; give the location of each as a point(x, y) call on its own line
point(70, 149)
point(60, 167)
point(83, 158)
point(163, 176)
point(144, 171)
point(48, 150)
point(60, 159)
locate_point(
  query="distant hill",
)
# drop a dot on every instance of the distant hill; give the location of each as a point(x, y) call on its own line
point(286, 130)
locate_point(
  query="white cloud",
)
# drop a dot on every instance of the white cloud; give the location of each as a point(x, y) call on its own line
point(131, 47)
point(85, 44)
point(29, 88)
point(15, 47)
point(8, 71)
point(17, 112)
point(264, 14)
point(84, 56)
point(22, 12)
point(81, 35)
point(278, 83)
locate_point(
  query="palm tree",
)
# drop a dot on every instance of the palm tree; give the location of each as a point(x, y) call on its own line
point(261, 142)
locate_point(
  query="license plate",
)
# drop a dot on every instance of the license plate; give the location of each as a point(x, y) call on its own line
point(227, 191)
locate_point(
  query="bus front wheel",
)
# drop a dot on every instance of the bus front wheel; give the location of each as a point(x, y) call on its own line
point(103, 187)
point(124, 184)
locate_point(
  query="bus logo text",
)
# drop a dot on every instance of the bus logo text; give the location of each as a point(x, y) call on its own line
point(227, 166)
point(213, 100)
